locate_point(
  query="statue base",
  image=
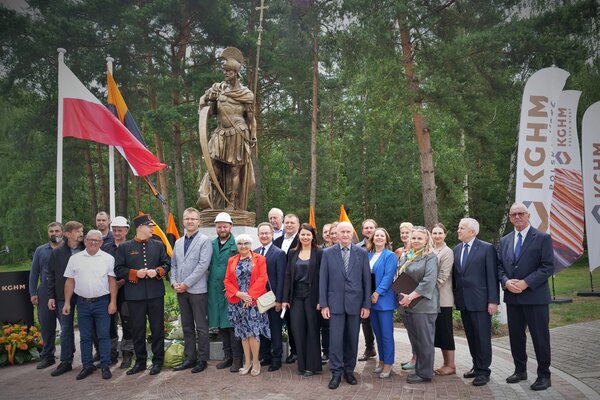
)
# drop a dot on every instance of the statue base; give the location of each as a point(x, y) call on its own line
point(239, 217)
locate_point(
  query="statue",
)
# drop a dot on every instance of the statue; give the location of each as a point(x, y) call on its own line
point(230, 174)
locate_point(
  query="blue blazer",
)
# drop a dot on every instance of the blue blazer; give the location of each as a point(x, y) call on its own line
point(276, 261)
point(345, 292)
point(534, 265)
point(384, 271)
point(476, 286)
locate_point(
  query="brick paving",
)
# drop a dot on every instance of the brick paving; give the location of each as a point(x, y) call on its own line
point(576, 359)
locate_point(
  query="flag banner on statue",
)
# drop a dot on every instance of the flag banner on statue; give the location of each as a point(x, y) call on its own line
point(566, 212)
point(590, 149)
point(534, 160)
point(85, 117)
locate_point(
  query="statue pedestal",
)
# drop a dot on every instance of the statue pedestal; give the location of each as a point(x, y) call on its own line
point(239, 217)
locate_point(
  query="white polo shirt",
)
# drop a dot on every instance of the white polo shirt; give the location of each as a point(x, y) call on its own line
point(91, 273)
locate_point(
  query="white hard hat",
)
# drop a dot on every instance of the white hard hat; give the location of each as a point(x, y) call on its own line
point(223, 217)
point(119, 222)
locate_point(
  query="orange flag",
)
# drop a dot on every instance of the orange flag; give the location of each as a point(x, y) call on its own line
point(311, 219)
point(344, 218)
point(172, 232)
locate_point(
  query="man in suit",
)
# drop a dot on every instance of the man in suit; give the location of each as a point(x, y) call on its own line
point(476, 295)
point(143, 263)
point(526, 263)
point(344, 297)
point(271, 349)
point(287, 241)
point(189, 269)
point(368, 229)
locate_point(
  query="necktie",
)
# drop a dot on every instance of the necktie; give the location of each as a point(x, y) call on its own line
point(518, 245)
point(465, 255)
point(262, 251)
point(346, 258)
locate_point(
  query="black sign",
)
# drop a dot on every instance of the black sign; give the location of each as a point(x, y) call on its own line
point(15, 299)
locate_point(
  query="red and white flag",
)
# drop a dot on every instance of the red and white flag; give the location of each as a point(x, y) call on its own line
point(85, 117)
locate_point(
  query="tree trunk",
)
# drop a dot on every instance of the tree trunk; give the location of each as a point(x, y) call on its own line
point(178, 156)
point(90, 177)
point(315, 111)
point(430, 211)
point(102, 180)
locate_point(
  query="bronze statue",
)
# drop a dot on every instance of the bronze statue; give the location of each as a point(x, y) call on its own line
point(230, 175)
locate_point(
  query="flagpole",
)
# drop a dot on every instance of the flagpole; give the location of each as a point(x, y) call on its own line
point(59, 141)
point(111, 159)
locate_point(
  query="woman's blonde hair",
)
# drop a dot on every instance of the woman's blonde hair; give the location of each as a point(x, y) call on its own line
point(429, 243)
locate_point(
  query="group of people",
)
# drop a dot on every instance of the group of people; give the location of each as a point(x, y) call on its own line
point(323, 293)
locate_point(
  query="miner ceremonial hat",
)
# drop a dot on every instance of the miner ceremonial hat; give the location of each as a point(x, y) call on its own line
point(144, 219)
point(119, 222)
point(223, 217)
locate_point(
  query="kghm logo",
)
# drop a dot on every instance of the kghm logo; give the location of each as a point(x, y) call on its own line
point(10, 288)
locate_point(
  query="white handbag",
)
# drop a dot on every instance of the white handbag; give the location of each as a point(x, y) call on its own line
point(266, 301)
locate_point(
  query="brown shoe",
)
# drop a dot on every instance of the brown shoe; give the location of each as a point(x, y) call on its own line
point(369, 353)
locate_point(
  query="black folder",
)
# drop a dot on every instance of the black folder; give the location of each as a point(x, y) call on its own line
point(405, 284)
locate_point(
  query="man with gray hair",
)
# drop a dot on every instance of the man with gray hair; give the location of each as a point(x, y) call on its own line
point(90, 275)
point(276, 221)
point(476, 295)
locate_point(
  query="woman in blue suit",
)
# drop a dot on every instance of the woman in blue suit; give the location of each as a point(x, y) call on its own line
point(383, 269)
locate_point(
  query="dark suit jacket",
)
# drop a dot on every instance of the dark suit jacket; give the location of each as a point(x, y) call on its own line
point(476, 286)
point(534, 265)
point(345, 292)
point(313, 276)
point(279, 241)
point(56, 268)
point(276, 261)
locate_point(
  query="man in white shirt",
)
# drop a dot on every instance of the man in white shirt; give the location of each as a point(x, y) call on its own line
point(276, 221)
point(289, 240)
point(90, 275)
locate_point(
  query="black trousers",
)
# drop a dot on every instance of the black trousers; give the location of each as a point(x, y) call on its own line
point(154, 309)
point(272, 349)
point(367, 329)
point(291, 341)
point(305, 325)
point(232, 346)
point(478, 329)
point(324, 324)
point(536, 318)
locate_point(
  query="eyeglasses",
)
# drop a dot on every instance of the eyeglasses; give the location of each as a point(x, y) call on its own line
point(246, 244)
point(93, 241)
point(517, 214)
point(191, 219)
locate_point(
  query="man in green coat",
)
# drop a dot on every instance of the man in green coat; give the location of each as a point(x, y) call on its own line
point(223, 248)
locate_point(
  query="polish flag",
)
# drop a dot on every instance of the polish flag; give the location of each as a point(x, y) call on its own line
point(85, 117)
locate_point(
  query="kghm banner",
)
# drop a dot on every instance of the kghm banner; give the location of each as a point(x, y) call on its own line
point(590, 140)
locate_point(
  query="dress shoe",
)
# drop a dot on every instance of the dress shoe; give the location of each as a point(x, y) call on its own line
point(334, 383)
point(201, 366)
point(414, 378)
point(85, 372)
point(308, 373)
point(138, 367)
point(236, 365)
point(274, 366)
point(62, 368)
point(226, 363)
point(408, 366)
point(45, 363)
point(541, 384)
point(386, 375)
point(264, 362)
point(369, 353)
point(245, 370)
point(291, 359)
point(469, 374)
point(351, 379)
point(481, 380)
point(127, 358)
point(255, 371)
point(155, 370)
point(185, 365)
point(106, 374)
point(517, 377)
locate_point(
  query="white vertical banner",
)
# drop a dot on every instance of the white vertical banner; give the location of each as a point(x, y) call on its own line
point(566, 212)
point(534, 161)
point(590, 149)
